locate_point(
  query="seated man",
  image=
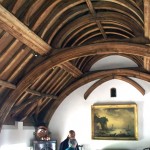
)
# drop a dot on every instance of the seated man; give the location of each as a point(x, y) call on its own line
point(71, 138)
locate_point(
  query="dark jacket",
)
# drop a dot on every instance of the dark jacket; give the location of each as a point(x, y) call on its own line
point(64, 145)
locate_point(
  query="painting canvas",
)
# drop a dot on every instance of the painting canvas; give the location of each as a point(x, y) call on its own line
point(114, 122)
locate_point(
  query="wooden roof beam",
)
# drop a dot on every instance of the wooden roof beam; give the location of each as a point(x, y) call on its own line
point(147, 30)
point(147, 18)
point(16, 28)
point(139, 2)
point(27, 102)
point(92, 10)
point(70, 68)
point(147, 63)
point(40, 94)
point(7, 84)
point(33, 92)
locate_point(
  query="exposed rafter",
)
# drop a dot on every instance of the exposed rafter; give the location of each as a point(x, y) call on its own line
point(92, 10)
point(147, 63)
point(147, 30)
point(74, 71)
point(147, 18)
point(7, 84)
point(139, 2)
point(33, 92)
point(12, 25)
point(27, 102)
point(40, 94)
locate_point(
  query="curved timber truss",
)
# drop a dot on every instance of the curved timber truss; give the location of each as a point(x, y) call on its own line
point(105, 79)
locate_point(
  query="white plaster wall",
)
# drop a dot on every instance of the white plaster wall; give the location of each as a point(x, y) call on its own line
point(75, 113)
point(113, 61)
point(16, 137)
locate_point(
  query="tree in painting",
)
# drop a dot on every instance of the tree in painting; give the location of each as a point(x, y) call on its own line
point(103, 122)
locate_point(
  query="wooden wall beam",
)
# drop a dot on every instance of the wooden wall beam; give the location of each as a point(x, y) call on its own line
point(16, 28)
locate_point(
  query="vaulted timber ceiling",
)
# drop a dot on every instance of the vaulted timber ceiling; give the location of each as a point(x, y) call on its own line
point(47, 48)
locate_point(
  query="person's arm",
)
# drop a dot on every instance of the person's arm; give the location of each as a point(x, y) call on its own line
point(77, 147)
point(63, 145)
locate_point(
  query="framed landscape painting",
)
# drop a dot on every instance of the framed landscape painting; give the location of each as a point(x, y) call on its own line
point(114, 122)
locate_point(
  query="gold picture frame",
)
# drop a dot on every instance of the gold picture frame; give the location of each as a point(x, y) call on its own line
point(114, 122)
